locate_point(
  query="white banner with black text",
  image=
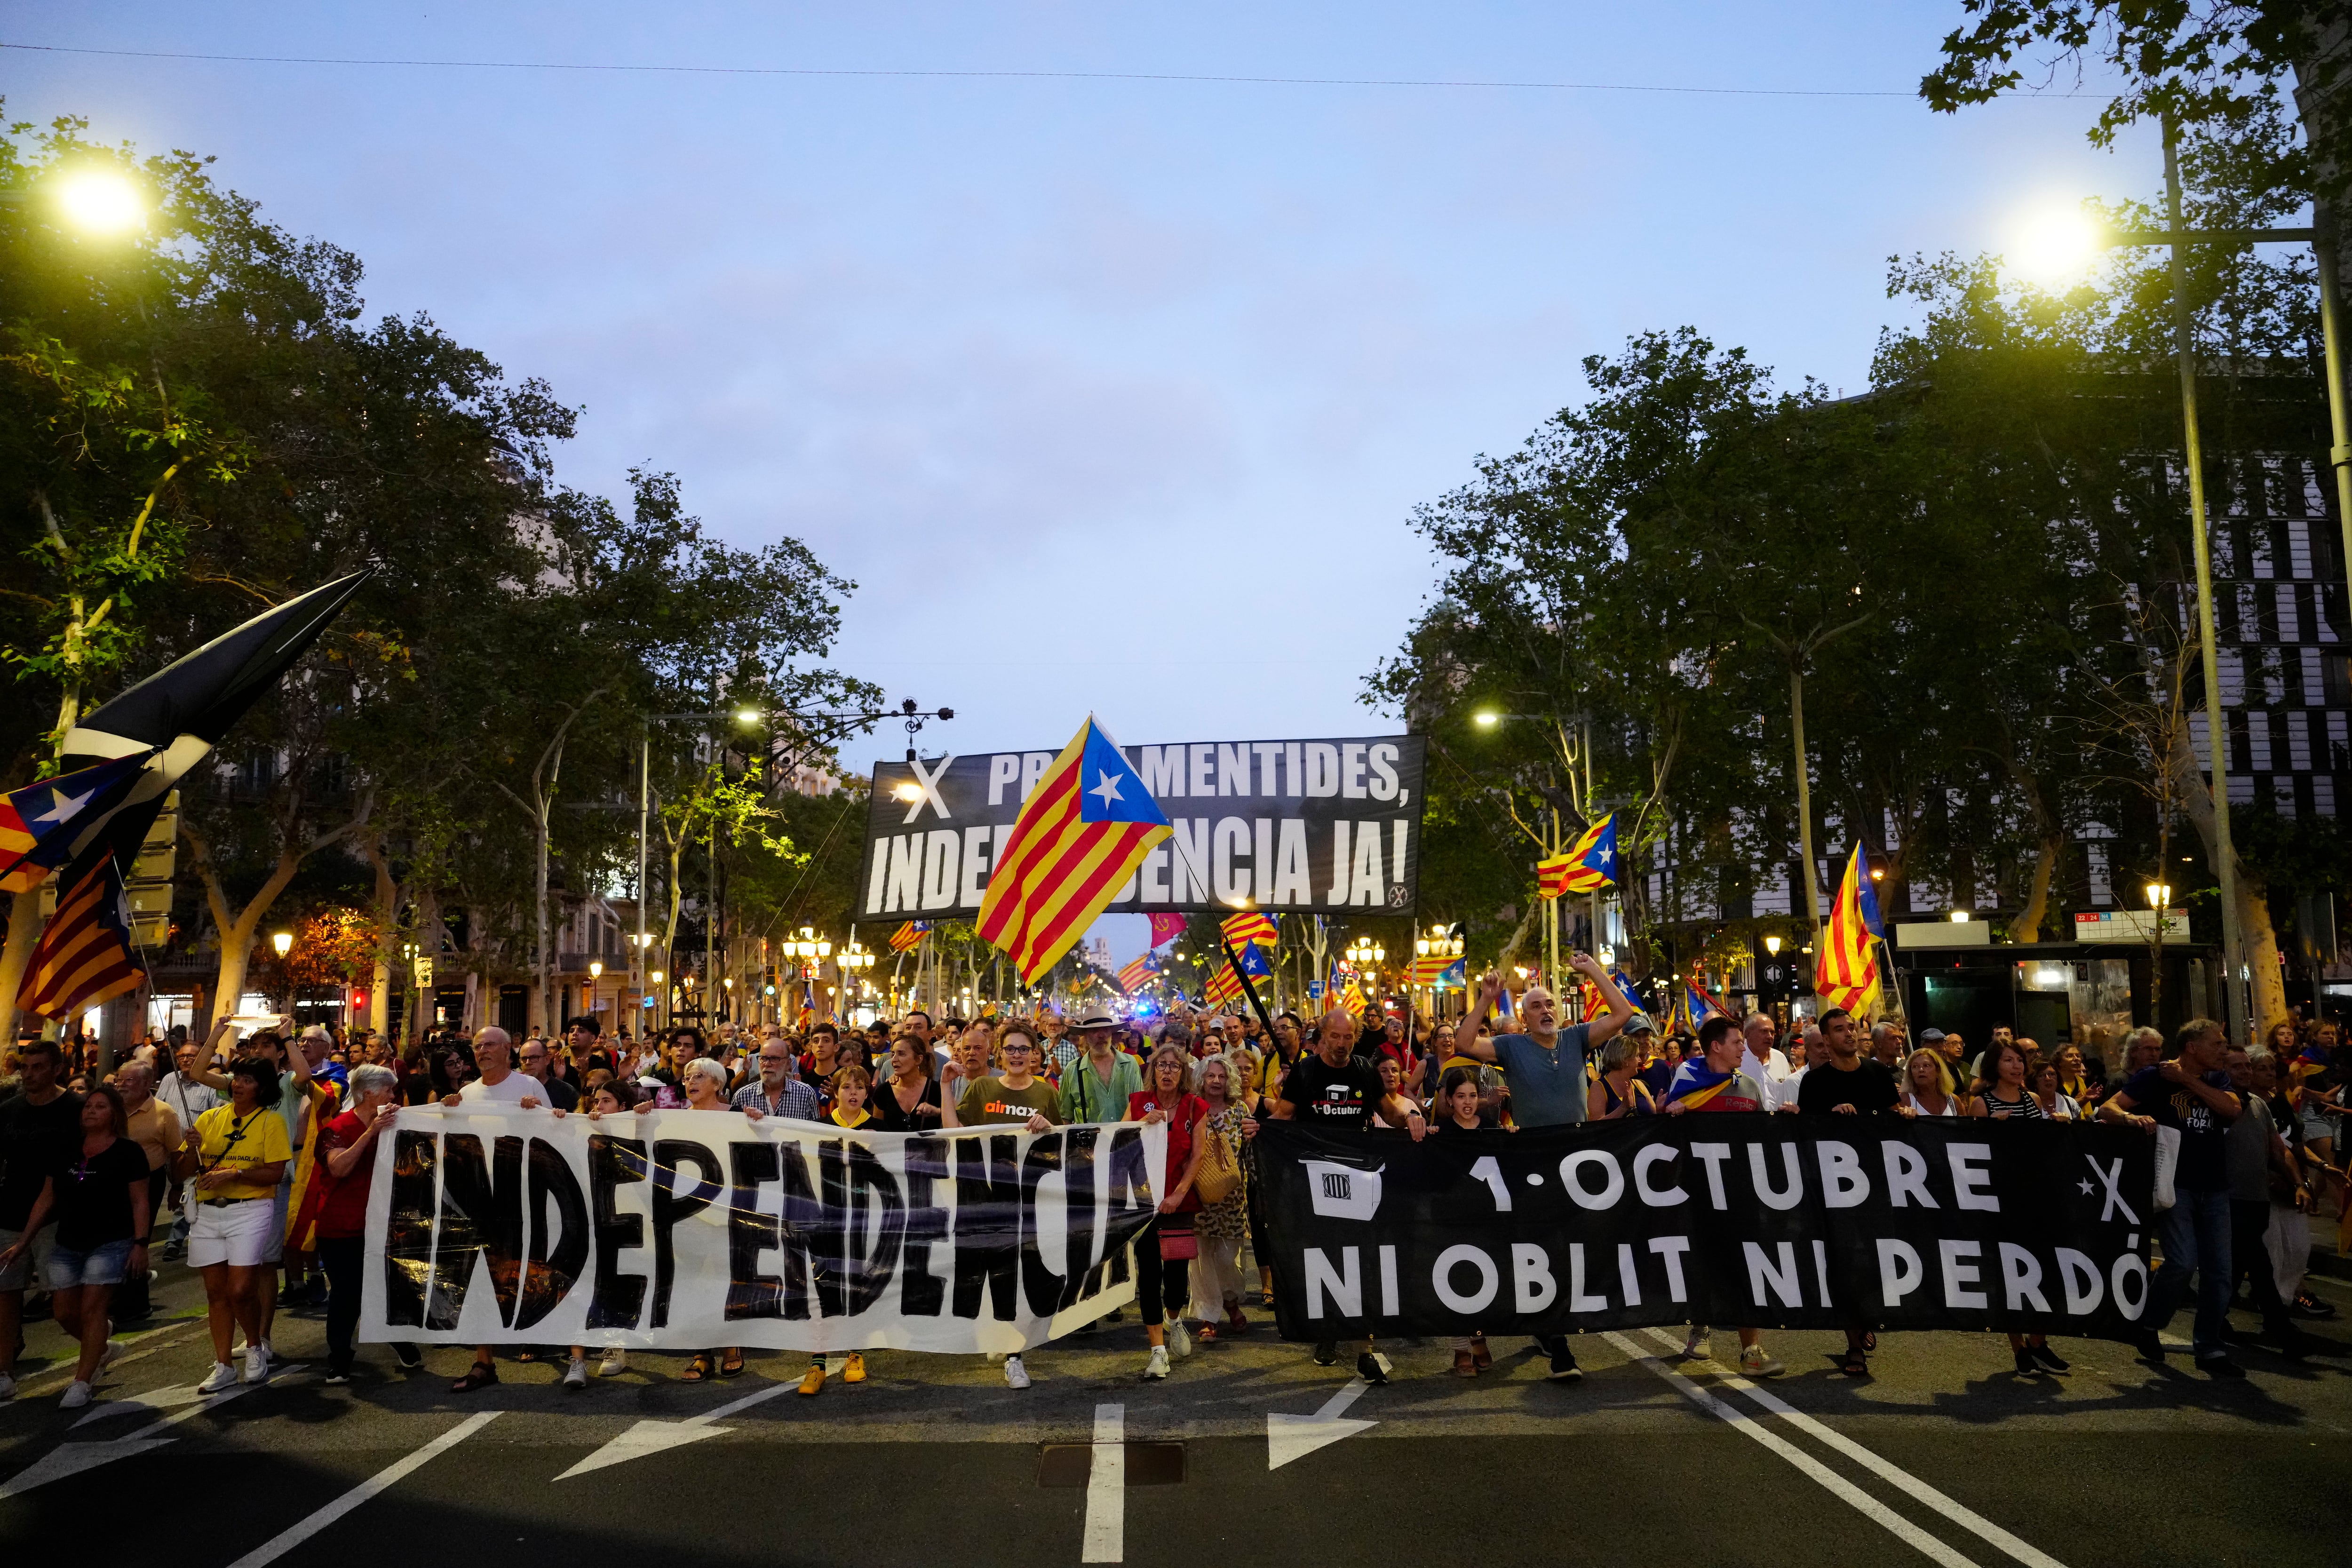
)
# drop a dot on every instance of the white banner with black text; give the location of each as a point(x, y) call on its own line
point(690, 1230)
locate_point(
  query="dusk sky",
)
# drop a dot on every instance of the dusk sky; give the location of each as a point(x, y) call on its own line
point(1111, 394)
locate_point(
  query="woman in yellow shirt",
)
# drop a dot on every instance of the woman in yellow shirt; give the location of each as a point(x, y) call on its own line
point(238, 1151)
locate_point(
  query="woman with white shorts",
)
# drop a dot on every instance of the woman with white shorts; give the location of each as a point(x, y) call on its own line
point(239, 1150)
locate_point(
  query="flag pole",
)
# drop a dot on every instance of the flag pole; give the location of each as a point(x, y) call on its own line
point(1234, 961)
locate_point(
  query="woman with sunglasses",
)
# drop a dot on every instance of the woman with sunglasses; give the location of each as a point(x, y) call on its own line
point(99, 1197)
point(239, 1150)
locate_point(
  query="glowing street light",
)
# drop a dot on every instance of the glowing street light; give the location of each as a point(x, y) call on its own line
point(1772, 945)
point(283, 941)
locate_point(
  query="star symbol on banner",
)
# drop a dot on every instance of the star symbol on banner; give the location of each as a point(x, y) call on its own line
point(63, 805)
point(2086, 1188)
point(1108, 789)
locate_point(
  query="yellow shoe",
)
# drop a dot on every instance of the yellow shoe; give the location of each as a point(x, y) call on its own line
point(856, 1371)
point(814, 1379)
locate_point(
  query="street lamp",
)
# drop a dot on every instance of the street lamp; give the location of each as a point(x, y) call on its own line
point(2160, 897)
point(1772, 945)
point(283, 941)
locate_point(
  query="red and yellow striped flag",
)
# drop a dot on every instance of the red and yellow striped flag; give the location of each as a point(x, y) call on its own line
point(1248, 927)
point(84, 955)
point(1846, 973)
point(1087, 824)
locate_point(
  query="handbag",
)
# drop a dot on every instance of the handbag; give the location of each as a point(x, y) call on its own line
point(1218, 1174)
point(1178, 1245)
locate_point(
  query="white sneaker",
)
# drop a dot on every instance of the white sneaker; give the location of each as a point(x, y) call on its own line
point(616, 1363)
point(256, 1364)
point(1756, 1363)
point(77, 1395)
point(1157, 1367)
point(112, 1353)
point(1695, 1347)
point(576, 1375)
point(1015, 1375)
point(1179, 1343)
point(270, 1351)
point(223, 1376)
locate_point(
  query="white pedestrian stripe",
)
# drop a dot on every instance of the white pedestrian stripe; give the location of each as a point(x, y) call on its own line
point(1289, 1438)
point(2023, 1550)
point(154, 1399)
point(650, 1437)
point(73, 1458)
point(1829, 1481)
point(287, 1540)
point(1106, 1537)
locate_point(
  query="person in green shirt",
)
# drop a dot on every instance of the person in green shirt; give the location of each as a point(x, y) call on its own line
point(1097, 1086)
point(1013, 1093)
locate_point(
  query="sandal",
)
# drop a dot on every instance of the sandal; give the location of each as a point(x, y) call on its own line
point(480, 1375)
point(733, 1368)
point(1853, 1364)
point(1870, 1340)
point(699, 1370)
point(1205, 1334)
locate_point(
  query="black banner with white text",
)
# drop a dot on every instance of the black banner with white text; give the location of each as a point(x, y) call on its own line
point(1752, 1221)
point(1286, 826)
point(689, 1229)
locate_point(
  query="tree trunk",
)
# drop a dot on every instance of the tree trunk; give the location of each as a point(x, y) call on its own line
point(1808, 891)
point(2027, 926)
point(236, 928)
point(387, 933)
point(24, 931)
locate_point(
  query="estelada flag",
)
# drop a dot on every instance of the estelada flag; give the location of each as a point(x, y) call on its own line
point(908, 935)
point(1592, 859)
point(84, 955)
point(1846, 974)
point(1224, 985)
point(1249, 927)
point(1087, 824)
point(1138, 973)
point(1428, 970)
point(41, 824)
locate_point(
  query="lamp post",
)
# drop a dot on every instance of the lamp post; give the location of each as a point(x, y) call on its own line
point(2159, 903)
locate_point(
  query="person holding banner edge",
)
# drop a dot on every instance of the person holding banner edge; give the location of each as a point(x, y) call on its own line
point(1334, 1089)
point(1546, 1068)
point(1718, 1082)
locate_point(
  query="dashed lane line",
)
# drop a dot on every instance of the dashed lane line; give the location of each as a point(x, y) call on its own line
point(1106, 1537)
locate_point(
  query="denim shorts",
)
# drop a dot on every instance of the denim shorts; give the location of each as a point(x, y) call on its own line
point(104, 1264)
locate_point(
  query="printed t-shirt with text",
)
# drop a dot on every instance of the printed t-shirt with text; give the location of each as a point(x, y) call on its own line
point(988, 1099)
point(1325, 1096)
point(227, 1141)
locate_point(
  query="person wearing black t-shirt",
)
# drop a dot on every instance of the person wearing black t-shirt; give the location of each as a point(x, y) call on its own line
point(1330, 1088)
point(38, 1128)
point(1849, 1084)
point(2191, 1094)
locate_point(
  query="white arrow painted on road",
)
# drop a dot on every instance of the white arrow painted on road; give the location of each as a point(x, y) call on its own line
point(73, 1458)
point(660, 1436)
point(1289, 1438)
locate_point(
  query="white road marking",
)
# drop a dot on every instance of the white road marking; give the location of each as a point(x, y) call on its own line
point(2023, 1550)
point(293, 1536)
point(154, 1399)
point(72, 1459)
point(1289, 1438)
point(1844, 1490)
point(1106, 1538)
point(651, 1436)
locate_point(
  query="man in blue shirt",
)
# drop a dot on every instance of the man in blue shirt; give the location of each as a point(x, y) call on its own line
point(1545, 1069)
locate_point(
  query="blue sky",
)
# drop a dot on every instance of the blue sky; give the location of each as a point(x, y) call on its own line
point(1112, 395)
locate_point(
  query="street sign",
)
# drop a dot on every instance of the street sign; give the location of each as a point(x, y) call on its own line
point(1315, 991)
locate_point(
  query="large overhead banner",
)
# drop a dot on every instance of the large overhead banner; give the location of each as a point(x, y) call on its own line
point(1816, 1223)
point(1296, 826)
point(691, 1229)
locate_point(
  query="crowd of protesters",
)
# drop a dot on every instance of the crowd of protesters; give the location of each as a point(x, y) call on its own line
point(255, 1151)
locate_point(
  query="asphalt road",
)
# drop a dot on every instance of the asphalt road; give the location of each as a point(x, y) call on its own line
point(1249, 1453)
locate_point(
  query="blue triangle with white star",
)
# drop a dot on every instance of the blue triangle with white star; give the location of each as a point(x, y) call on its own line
point(1108, 789)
